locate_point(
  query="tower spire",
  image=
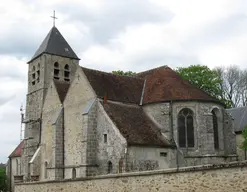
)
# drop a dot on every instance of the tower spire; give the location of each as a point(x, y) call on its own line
point(54, 18)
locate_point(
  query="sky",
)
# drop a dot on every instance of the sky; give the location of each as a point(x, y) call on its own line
point(112, 35)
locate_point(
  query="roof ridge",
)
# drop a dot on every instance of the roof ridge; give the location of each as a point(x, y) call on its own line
point(110, 73)
point(153, 69)
point(235, 108)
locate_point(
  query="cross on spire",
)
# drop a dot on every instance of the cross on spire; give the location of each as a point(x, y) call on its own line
point(54, 18)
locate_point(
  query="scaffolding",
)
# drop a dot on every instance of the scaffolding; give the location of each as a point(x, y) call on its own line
point(22, 123)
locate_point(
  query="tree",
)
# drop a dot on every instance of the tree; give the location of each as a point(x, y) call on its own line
point(3, 180)
point(127, 73)
point(204, 78)
point(233, 85)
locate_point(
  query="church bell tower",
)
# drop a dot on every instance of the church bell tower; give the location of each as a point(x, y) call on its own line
point(54, 59)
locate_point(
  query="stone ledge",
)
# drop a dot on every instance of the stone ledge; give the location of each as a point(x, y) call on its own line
point(148, 173)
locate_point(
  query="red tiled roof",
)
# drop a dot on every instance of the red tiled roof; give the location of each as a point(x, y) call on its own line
point(115, 87)
point(164, 84)
point(18, 150)
point(62, 89)
point(135, 125)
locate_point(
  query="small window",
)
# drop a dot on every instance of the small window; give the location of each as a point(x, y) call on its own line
point(73, 173)
point(45, 174)
point(109, 167)
point(33, 82)
point(105, 138)
point(163, 154)
point(33, 68)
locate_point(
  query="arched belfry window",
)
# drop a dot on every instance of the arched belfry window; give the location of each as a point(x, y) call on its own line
point(56, 70)
point(109, 167)
point(66, 73)
point(215, 127)
point(33, 75)
point(38, 73)
point(186, 128)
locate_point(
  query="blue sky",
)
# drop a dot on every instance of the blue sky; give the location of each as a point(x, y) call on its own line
point(115, 35)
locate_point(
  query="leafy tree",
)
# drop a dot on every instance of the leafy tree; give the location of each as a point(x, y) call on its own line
point(127, 73)
point(202, 77)
point(3, 180)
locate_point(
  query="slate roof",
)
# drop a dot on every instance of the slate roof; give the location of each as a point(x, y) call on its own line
point(55, 44)
point(239, 116)
point(135, 125)
point(164, 84)
point(62, 89)
point(115, 87)
point(18, 150)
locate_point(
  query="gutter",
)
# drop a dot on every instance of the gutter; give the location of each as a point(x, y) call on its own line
point(63, 143)
point(172, 135)
point(143, 90)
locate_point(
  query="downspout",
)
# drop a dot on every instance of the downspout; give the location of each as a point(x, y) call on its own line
point(10, 174)
point(172, 135)
point(126, 159)
point(40, 127)
point(63, 143)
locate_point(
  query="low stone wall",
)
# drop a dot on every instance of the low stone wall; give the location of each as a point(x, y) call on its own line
point(216, 178)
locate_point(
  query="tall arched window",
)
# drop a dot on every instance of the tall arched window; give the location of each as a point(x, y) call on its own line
point(56, 70)
point(186, 128)
point(45, 170)
point(73, 173)
point(215, 127)
point(109, 167)
point(66, 73)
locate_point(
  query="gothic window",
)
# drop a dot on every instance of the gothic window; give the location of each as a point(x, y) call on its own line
point(186, 128)
point(73, 173)
point(56, 70)
point(109, 167)
point(215, 127)
point(66, 73)
point(45, 170)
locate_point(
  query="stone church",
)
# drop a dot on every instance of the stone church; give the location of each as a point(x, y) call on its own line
point(81, 122)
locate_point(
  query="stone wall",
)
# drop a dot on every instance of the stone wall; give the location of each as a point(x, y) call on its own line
point(221, 178)
point(147, 158)
point(242, 154)
point(165, 116)
point(111, 145)
point(76, 117)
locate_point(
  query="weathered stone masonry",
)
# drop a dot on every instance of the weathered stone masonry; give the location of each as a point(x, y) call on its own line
point(219, 178)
